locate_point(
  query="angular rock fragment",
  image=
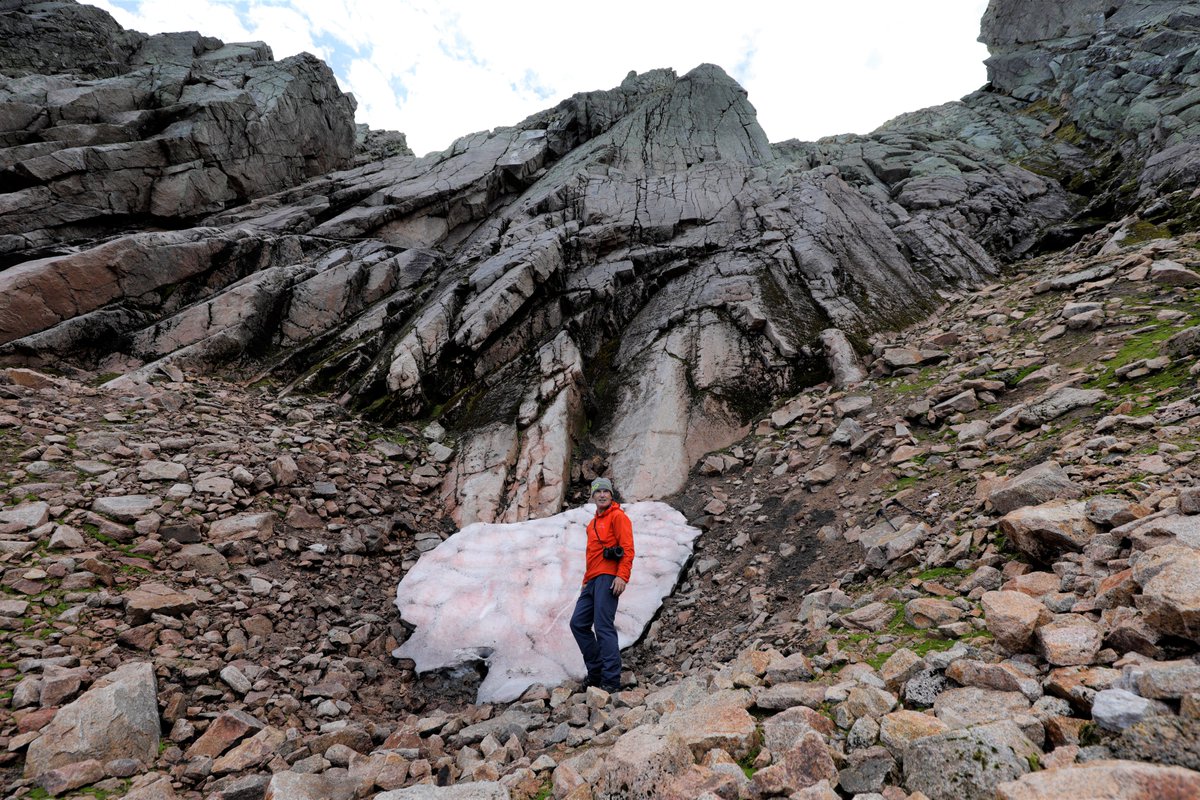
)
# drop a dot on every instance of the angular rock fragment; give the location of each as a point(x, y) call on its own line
point(1038, 484)
point(1056, 403)
point(1104, 780)
point(1013, 617)
point(1045, 531)
point(1069, 639)
point(116, 718)
point(156, 598)
point(1170, 598)
point(968, 764)
point(126, 508)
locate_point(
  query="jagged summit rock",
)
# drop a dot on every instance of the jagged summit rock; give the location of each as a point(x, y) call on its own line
point(104, 127)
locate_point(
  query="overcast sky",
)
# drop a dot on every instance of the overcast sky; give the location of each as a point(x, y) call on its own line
point(439, 70)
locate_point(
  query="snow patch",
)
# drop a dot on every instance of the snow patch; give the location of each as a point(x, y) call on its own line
point(504, 594)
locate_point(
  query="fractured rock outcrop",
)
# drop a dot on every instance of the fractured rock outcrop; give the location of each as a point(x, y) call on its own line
point(636, 271)
point(103, 124)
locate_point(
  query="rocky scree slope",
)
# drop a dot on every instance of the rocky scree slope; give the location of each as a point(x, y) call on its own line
point(998, 522)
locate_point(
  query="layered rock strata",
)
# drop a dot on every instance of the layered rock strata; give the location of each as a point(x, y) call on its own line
point(104, 128)
point(636, 271)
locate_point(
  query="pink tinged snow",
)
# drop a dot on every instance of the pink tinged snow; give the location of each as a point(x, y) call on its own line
point(504, 594)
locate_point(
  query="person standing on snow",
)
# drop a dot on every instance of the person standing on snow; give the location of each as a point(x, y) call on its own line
point(609, 561)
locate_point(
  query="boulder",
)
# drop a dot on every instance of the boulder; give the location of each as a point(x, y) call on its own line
point(1057, 402)
point(1104, 780)
point(1161, 739)
point(871, 617)
point(799, 767)
point(251, 752)
point(222, 733)
point(71, 776)
point(1170, 598)
point(868, 701)
point(967, 764)
point(1007, 676)
point(968, 706)
point(258, 526)
point(1038, 484)
point(1012, 617)
point(126, 508)
point(1045, 531)
point(784, 730)
point(1035, 584)
point(1111, 511)
point(900, 728)
point(162, 471)
point(1163, 530)
point(1166, 680)
point(1069, 639)
point(867, 770)
point(641, 760)
point(720, 720)
point(843, 361)
point(930, 612)
point(1117, 709)
point(289, 785)
point(116, 718)
point(156, 598)
point(24, 517)
point(794, 667)
point(899, 667)
point(1172, 273)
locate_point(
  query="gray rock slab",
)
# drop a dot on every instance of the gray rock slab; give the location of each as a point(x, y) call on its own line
point(1056, 403)
point(1038, 484)
point(126, 508)
point(116, 718)
point(25, 516)
point(968, 764)
point(1117, 709)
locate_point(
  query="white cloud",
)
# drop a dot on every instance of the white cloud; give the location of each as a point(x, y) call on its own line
point(210, 18)
point(286, 30)
point(440, 70)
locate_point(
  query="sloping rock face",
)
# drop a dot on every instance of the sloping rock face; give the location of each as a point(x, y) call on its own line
point(101, 125)
point(637, 270)
point(1098, 96)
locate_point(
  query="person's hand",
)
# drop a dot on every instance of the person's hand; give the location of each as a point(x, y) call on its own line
point(618, 586)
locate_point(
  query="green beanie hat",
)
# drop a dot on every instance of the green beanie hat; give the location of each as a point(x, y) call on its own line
point(601, 484)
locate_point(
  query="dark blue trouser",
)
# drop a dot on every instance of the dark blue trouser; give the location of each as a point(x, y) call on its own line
point(597, 607)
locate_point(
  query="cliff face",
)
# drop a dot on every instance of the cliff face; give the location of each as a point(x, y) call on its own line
point(1101, 97)
point(105, 130)
point(635, 272)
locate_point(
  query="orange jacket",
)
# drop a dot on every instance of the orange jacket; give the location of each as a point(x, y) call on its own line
point(606, 529)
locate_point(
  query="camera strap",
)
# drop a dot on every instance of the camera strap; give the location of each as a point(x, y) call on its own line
point(595, 529)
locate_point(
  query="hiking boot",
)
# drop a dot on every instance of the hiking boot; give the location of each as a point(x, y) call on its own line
point(611, 688)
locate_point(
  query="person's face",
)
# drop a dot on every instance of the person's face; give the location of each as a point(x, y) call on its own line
point(602, 498)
